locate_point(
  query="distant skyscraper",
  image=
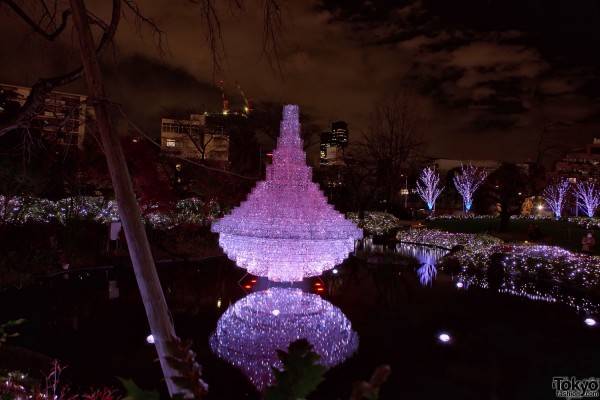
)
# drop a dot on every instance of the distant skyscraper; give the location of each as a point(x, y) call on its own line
point(332, 144)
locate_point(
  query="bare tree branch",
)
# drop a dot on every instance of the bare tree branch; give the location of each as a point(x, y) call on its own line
point(34, 104)
point(36, 25)
point(159, 36)
point(272, 26)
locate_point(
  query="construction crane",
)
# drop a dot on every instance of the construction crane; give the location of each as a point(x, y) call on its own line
point(249, 102)
point(225, 101)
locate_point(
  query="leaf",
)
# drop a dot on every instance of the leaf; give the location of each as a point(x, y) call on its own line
point(301, 373)
point(134, 392)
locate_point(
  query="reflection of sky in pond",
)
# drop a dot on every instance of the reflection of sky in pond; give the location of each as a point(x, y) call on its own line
point(250, 331)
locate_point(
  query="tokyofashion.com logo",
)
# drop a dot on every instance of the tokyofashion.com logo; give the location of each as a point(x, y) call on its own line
point(572, 388)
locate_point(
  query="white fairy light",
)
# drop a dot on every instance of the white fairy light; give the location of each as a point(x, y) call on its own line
point(468, 181)
point(444, 337)
point(555, 194)
point(286, 230)
point(249, 331)
point(588, 196)
point(428, 186)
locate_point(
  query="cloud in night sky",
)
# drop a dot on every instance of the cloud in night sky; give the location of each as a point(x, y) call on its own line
point(488, 74)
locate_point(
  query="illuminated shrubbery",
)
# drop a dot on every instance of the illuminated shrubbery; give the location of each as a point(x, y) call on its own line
point(434, 237)
point(375, 222)
point(480, 252)
point(20, 210)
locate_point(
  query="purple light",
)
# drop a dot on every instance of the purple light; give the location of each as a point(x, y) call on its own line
point(286, 230)
point(555, 195)
point(250, 331)
point(467, 183)
point(588, 197)
point(428, 187)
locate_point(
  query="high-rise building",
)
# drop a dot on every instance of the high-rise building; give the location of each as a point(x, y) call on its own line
point(333, 143)
point(62, 117)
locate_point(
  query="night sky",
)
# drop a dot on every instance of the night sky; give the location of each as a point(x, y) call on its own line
point(489, 75)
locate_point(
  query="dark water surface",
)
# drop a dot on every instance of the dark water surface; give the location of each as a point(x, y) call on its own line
point(502, 346)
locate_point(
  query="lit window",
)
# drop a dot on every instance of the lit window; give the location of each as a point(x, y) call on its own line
point(171, 143)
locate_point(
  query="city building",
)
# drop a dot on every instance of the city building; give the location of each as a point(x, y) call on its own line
point(443, 165)
point(62, 118)
point(201, 136)
point(333, 143)
point(578, 165)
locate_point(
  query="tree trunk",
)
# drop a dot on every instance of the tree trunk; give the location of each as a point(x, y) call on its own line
point(141, 257)
point(504, 218)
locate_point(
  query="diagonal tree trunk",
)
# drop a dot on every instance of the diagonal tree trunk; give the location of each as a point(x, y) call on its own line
point(139, 248)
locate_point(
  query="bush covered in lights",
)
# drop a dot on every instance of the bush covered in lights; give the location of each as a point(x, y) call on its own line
point(484, 253)
point(21, 210)
point(435, 237)
point(545, 262)
point(375, 222)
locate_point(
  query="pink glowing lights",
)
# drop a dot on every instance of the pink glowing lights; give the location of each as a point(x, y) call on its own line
point(286, 230)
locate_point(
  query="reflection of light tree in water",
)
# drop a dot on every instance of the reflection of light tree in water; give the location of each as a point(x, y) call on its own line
point(427, 273)
point(427, 257)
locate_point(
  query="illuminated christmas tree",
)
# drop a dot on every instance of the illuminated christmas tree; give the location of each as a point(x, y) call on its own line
point(286, 230)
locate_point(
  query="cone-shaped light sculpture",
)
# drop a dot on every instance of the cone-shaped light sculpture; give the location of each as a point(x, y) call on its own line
point(286, 230)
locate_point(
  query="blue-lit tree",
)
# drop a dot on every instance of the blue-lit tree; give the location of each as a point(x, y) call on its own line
point(555, 195)
point(468, 181)
point(428, 186)
point(588, 196)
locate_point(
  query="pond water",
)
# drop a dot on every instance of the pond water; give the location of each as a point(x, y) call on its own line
point(503, 344)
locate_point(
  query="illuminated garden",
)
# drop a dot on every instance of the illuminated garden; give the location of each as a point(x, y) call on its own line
point(284, 291)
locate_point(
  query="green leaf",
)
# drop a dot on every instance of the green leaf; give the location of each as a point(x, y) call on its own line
point(301, 373)
point(134, 392)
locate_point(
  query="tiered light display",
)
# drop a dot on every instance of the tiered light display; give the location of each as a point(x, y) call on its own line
point(286, 230)
point(250, 331)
